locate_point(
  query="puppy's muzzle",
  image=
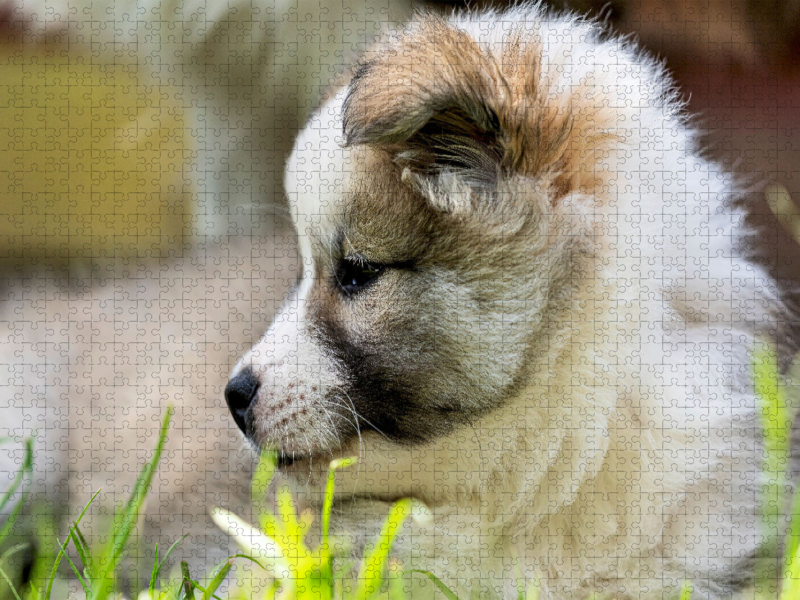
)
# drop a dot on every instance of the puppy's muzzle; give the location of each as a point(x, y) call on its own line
point(239, 394)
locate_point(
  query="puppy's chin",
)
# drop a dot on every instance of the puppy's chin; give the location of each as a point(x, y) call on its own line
point(308, 466)
point(293, 463)
point(287, 459)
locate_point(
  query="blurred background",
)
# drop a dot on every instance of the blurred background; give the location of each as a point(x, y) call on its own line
point(96, 149)
point(104, 153)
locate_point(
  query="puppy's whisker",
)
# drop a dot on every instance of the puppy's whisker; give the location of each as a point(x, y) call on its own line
point(363, 418)
point(361, 448)
point(355, 414)
point(334, 429)
point(310, 454)
point(355, 422)
point(327, 414)
point(320, 433)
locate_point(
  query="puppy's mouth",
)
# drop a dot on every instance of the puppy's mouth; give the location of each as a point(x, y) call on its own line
point(293, 462)
point(313, 458)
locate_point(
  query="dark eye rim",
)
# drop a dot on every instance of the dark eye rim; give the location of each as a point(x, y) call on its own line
point(378, 269)
point(345, 271)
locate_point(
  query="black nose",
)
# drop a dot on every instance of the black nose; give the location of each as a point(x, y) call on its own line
point(239, 394)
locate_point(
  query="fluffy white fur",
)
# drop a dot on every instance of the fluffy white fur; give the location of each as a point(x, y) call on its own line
point(629, 460)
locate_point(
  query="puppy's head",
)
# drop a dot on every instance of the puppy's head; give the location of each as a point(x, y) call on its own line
point(442, 203)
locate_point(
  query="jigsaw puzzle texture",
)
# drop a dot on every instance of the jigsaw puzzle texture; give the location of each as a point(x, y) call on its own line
point(147, 245)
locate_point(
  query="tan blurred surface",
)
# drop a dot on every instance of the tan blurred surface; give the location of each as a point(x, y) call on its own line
point(93, 156)
point(91, 159)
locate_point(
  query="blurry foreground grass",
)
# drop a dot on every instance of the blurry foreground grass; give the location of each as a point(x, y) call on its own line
point(292, 570)
point(777, 416)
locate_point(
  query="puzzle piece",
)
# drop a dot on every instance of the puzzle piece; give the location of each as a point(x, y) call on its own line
point(499, 273)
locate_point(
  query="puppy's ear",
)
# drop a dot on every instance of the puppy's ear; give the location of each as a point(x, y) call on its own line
point(432, 99)
point(459, 116)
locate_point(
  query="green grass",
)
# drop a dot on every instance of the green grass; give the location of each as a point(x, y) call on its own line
point(301, 572)
point(773, 579)
point(277, 547)
point(287, 568)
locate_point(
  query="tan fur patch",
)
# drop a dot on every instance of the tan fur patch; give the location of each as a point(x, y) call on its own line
point(434, 68)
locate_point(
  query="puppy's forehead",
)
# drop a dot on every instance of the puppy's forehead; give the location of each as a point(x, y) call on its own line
point(351, 195)
point(317, 168)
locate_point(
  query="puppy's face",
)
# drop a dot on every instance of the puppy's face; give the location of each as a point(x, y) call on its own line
point(436, 252)
point(408, 321)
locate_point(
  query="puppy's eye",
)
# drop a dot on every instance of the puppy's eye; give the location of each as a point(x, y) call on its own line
point(353, 275)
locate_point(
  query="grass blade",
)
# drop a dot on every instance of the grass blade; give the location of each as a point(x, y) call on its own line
point(265, 471)
point(12, 518)
point(791, 566)
point(187, 586)
point(57, 561)
point(25, 468)
point(74, 568)
point(10, 584)
point(371, 577)
point(775, 421)
point(131, 512)
point(151, 588)
point(217, 579)
point(5, 556)
point(329, 489)
point(13, 550)
point(532, 593)
point(197, 586)
point(166, 556)
point(157, 566)
point(440, 585)
point(130, 515)
point(252, 540)
point(791, 577)
point(250, 558)
point(84, 552)
point(776, 418)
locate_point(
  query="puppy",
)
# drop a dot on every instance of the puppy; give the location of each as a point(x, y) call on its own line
point(524, 302)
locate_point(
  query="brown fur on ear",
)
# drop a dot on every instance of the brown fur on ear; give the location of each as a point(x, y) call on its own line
point(431, 68)
point(452, 141)
point(431, 99)
point(439, 100)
